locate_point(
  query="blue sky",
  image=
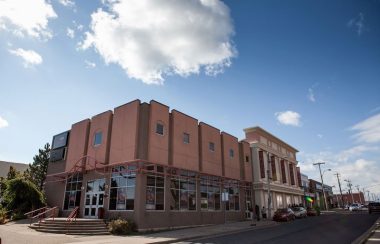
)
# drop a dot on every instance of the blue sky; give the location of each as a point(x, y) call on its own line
point(306, 71)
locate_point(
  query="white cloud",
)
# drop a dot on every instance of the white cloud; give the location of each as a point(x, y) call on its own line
point(289, 118)
point(89, 64)
point(152, 39)
point(67, 3)
point(357, 23)
point(26, 17)
point(368, 130)
point(320, 135)
point(310, 95)
point(70, 33)
point(30, 57)
point(3, 123)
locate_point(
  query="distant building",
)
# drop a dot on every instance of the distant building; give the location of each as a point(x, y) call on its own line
point(4, 167)
point(349, 198)
point(309, 197)
point(316, 188)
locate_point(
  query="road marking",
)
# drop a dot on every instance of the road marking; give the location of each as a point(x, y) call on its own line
point(373, 239)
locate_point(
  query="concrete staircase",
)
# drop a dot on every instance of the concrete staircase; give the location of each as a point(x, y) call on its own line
point(77, 227)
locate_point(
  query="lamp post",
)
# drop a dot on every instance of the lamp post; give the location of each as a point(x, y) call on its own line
point(323, 187)
point(350, 191)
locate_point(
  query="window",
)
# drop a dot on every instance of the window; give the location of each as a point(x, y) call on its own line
point(231, 153)
point(98, 138)
point(73, 191)
point(122, 191)
point(211, 146)
point(183, 191)
point(233, 203)
point(246, 159)
point(210, 193)
point(155, 192)
point(186, 138)
point(160, 129)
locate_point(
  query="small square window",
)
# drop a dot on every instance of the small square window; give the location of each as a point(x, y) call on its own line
point(186, 138)
point(231, 153)
point(160, 129)
point(98, 138)
point(211, 146)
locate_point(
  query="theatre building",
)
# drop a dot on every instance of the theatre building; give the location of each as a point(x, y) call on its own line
point(163, 168)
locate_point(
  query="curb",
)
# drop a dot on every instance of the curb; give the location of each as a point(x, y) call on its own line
point(218, 234)
point(363, 238)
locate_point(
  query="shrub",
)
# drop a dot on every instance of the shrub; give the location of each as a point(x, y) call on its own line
point(22, 196)
point(3, 215)
point(318, 210)
point(122, 227)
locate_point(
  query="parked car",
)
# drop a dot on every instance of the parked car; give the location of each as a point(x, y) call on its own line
point(355, 207)
point(346, 207)
point(311, 212)
point(284, 214)
point(373, 207)
point(299, 212)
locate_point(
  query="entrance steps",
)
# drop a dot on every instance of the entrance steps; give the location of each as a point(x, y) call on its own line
point(76, 227)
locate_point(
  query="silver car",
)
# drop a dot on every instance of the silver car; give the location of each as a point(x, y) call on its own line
point(299, 212)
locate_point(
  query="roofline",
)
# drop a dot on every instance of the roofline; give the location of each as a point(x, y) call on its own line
point(258, 128)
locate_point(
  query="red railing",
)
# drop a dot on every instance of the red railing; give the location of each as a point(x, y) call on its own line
point(47, 213)
point(72, 216)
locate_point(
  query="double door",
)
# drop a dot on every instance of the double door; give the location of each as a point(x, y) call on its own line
point(94, 198)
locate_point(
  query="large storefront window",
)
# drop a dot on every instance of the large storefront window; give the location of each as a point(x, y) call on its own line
point(233, 203)
point(123, 185)
point(183, 191)
point(155, 192)
point(73, 191)
point(210, 193)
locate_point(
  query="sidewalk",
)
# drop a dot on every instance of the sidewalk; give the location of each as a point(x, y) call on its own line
point(179, 235)
point(374, 237)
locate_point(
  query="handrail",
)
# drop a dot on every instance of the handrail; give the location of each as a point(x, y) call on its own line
point(33, 211)
point(43, 215)
point(72, 216)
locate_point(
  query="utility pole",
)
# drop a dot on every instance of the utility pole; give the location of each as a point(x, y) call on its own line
point(268, 182)
point(349, 184)
point(340, 189)
point(360, 197)
point(323, 187)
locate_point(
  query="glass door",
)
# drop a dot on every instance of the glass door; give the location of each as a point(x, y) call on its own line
point(94, 198)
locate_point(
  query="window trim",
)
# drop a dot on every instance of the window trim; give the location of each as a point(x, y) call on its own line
point(163, 128)
point(101, 138)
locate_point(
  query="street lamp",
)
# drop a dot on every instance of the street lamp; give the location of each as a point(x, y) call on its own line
point(323, 187)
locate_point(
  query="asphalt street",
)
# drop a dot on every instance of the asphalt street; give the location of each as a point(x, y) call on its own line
point(331, 228)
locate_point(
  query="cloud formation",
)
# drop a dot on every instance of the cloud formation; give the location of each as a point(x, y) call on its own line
point(289, 118)
point(67, 3)
point(3, 123)
point(26, 17)
point(89, 64)
point(30, 57)
point(368, 131)
point(70, 33)
point(152, 39)
point(357, 23)
point(310, 95)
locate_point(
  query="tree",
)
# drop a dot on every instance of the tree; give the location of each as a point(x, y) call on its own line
point(21, 196)
point(38, 169)
point(12, 173)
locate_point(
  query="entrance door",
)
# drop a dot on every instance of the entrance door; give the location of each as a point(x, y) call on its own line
point(94, 198)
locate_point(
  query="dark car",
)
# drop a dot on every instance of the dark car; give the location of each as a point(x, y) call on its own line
point(374, 207)
point(311, 212)
point(284, 214)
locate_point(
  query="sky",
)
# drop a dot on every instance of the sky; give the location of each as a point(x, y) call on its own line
point(306, 71)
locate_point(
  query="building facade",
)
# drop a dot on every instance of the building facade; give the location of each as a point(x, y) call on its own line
point(158, 167)
point(348, 199)
point(274, 166)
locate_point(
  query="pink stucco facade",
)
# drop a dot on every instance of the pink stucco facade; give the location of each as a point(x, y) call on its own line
point(78, 141)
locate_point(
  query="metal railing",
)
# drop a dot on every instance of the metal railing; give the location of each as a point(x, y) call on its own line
point(72, 217)
point(47, 213)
